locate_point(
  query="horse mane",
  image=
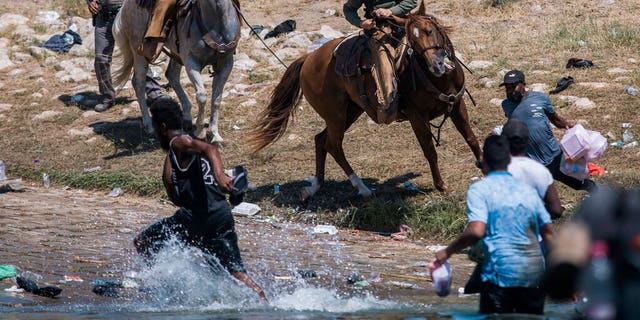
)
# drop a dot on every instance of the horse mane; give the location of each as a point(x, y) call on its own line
point(416, 17)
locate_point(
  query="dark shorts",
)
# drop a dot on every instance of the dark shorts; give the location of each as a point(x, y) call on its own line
point(215, 236)
point(495, 299)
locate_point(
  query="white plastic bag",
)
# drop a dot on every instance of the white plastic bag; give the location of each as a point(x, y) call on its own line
point(578, 169)
point(441, 276)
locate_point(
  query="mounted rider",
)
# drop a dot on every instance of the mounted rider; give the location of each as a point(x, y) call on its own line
point(155, 36)
point(377, 57)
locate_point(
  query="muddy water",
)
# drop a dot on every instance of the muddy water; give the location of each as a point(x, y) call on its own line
point(48, 234)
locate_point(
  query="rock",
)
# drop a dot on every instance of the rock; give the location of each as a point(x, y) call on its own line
point(38, 52)
point(328, 32)
point(23, 33)
point(48, 18)
point(46, 115)
point(287, 53)
point(20, 58)
point(15, 72)
point(80, 132)
point(540, 87)
point(298, 40)
point(570, 99)
point(617, 70)
point(496, 101)
point(536, 8)
point(5, 62)
point(5, 106)
point(243, 62)
point(249, 103)
point(584, 103)
point(8, 20)
point(73, 75)
point(479, 64)
point(594, 85)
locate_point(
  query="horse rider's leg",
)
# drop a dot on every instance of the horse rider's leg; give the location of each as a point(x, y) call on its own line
point(225, 64)
point(383, 74)
point(139, 82)
point(460, 119)
point(425, 138)
point(173, 75)
point(193, 71)
point(153, 41)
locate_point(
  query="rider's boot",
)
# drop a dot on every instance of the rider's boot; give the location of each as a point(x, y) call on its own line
point(153, 41)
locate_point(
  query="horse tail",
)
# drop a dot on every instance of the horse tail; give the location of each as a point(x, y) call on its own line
point(272, 122)
point(124, 60)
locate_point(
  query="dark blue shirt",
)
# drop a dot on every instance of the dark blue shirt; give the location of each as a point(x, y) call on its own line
point(534, 110)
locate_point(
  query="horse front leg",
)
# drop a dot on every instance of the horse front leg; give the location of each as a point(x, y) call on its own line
point(460, 119)
point(221, 75)
point(425, 138)
point(139, 81)
point(173, 75)
point(193, 71)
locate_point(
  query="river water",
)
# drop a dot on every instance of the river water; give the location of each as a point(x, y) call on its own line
point(48, 234)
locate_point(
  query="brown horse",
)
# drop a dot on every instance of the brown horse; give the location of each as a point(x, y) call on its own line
point(431, 84)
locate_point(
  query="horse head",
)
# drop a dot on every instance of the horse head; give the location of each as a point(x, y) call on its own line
point(429, 40)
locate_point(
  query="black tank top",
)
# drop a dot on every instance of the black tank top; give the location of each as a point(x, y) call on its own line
point(195, 187)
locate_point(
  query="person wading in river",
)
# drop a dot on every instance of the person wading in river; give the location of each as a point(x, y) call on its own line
point(195, 181)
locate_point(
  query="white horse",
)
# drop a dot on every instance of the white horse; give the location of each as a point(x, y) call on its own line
point(207, 35)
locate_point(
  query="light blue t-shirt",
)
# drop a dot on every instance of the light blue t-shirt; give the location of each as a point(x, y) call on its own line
point(534, 110)
point(513, 214)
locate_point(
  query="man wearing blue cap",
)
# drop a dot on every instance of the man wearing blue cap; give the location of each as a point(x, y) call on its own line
point(536, 111)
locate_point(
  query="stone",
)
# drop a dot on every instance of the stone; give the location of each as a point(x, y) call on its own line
point(8, 20)
point(46, 115)
point(80, 132)
point(479, 64)
point(617, 70)
point(584, 103)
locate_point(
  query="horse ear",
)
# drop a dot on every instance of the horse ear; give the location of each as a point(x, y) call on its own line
point(422, 9)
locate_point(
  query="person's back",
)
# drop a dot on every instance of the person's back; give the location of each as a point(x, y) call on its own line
point(512, 254)
point(194, 186)
point(533, 110)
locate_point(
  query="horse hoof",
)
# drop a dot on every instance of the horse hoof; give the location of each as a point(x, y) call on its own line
point(442, 187)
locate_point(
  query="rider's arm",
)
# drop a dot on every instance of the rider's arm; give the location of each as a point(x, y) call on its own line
point(404, 7)
point(350, 10)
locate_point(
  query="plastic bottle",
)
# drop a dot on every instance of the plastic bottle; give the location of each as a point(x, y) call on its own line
point(631, 90)
point(627, 136)
point(3, 174)
point(45, 180)
point(598, 284)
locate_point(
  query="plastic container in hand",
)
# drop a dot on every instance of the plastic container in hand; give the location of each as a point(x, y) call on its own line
point(575, 142)
point(441, 275)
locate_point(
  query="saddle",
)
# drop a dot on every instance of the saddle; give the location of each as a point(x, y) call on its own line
point(347, 54)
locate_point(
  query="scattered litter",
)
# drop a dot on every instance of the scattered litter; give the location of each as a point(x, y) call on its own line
point(475, 178)
point(276, 188)
point(284, 27)
point(3, 175)
point(129, 284)
point(283, 277)
point(115, 192)
point(72, 278)
point(330, 12)
point(81, 260)
point(630, 144)
point(325, 229)
point(30, 286)
point(404, 285)
point(245, 209)
point(404, 232)
point(406, 277)
point(595, 170)
point(100, 282)
point(497, 130)
point(579, 63)
point(436, 248)
point(92, 169)
point(7, 272)
point(307, 273)
point(409, 186)
point(235, 127)
point(361, 284)
point(14, 289)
